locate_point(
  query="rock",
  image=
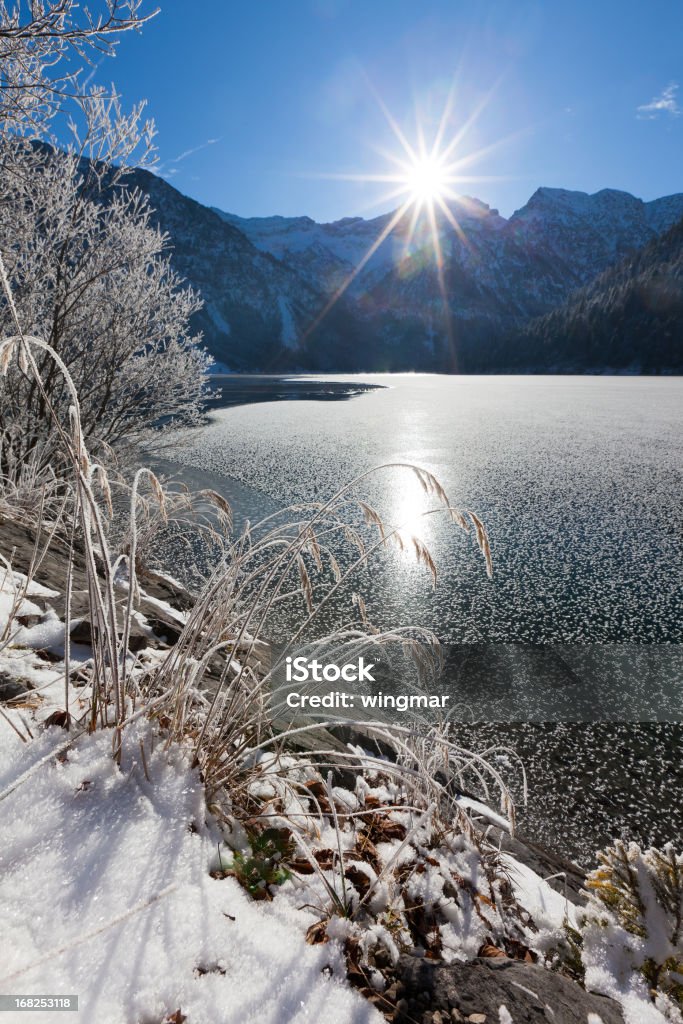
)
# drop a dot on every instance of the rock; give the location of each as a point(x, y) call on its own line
point(11, 689)
point(29, 620)
point(475, 991)
point(82, 632)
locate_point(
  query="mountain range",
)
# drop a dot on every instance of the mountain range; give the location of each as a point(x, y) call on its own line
point(631, 316)
point(502, 284)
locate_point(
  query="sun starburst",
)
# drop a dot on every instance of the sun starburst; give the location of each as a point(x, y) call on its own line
point(425, 181)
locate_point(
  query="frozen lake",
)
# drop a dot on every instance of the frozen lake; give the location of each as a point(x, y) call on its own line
point(578, 480)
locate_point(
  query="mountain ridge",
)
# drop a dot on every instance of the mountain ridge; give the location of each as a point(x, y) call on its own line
point(268, 281)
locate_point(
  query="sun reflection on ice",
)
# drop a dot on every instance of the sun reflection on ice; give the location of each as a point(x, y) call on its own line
point(407, 514)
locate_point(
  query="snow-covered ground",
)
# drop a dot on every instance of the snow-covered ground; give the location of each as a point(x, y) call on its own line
point(109, 888)
point(105, 872)
point(106, 893)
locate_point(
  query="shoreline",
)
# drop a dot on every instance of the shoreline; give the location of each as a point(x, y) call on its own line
point(253, 388)
point(463, 952)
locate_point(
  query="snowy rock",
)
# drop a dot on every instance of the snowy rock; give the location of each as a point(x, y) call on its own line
point(11, 688)
point(479, 990)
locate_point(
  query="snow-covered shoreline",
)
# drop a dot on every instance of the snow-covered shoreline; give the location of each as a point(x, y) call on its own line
point(121, 883)
point(107, 893)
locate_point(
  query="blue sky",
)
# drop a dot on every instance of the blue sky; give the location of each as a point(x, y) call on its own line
point(582, 95)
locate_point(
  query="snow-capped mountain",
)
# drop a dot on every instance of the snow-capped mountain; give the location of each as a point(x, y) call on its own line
point(329, 254)
point(324, 253)
point(266, 281)
point(565, 237)
point(590, 232)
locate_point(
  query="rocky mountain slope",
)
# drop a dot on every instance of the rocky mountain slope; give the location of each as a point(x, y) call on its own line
point(255, 306)
point(631, 317)
point(266, 281)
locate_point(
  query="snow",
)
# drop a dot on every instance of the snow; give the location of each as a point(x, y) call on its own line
point(482, 809)
point(106, 893)
point(13, 596)
point(15, 589)
point(105, 880)
point(326, 253)
point(19, 659)
point(609, 973)
point(48, 634)
point(548, 908)
point(180, 618)
point(288, 334)
point(9, 603)
point(32, 588)
point(637, 926)
point(25, 667)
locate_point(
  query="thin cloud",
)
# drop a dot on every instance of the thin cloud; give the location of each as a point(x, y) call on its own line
point(664, 104)
point(195, 149)
point(167, 169)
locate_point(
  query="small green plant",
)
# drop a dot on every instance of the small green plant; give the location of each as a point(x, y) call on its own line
point(265, 864)
point(567, 953)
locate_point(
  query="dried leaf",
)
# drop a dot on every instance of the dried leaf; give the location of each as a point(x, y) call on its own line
point(358, 879)
point(317, 934)
point(491, 952)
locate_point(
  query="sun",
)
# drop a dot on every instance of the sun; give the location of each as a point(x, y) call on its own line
point(426, 180)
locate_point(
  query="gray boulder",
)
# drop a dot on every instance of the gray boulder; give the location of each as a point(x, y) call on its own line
point(434, 993)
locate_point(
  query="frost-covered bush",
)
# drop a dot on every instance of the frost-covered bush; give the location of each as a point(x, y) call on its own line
point(633, 929)
point(89, 273)
point(91, 276)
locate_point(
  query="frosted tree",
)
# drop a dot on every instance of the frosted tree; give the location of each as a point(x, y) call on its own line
point(45, 48)
point(92, 277)
point(90, 272)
